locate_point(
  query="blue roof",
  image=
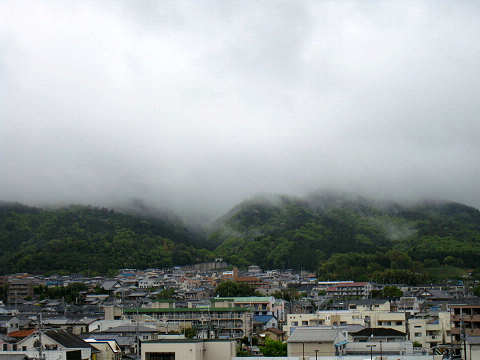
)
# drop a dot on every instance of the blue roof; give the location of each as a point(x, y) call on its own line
point(262, 318)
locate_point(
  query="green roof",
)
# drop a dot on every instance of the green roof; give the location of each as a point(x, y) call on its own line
point(159, 310)
point(244, 299)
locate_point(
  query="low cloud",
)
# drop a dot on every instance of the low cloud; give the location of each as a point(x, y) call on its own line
point(194, 106)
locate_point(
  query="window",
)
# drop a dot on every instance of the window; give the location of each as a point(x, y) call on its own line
point(294, 323)
point(145, 337)
point(4, 347)
point(14, 347)
point(418, 334)
point(24, 348)
point(304, 323)
point(160, 356)
point(398, 323)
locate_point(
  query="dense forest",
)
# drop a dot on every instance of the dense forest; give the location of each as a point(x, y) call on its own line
point(92, 240)
point(337, 236)
point(348, 237)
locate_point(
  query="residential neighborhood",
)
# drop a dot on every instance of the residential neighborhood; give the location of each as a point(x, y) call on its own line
point(147, 313)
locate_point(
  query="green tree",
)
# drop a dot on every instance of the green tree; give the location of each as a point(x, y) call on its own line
point(232, 288)
point(167, 293)
point(190, 333)
point(274, 348)
point(392, 292)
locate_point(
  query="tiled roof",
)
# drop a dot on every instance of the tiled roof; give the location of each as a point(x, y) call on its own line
point(20, 334)
point(378, 332)
point(275, 331)
point(66, 339)
point(315, 335)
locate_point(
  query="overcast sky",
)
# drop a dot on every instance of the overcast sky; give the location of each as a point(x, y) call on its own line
point(196, 105)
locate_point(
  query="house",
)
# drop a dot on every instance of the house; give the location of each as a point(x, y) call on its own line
point(188, 349)
point(108, 349)
point(127, 344)
point(7, 343)
point(76, 327)
point(261, 322)
point(433, 295)
point(21, 334)
point(111, 285)
point(310, 342)
point(52, 340)
point(378, 341)
point(274, 334)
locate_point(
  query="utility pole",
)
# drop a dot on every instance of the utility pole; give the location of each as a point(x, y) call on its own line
point(137, 338)
point(40, 346)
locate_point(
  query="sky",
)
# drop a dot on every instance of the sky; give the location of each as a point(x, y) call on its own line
point(195, 105)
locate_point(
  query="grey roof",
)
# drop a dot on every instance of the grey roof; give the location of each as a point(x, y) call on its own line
point(121, 340)
point(321, 335)
point(109, 284)
point(368, 301)
point(129, 328)
point(66, 339)
point(13, 356)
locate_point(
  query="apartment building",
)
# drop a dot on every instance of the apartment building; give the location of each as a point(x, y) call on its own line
point(366, 318)
point(350, 289)
point(260, 305)
point(210, 322)
point(430, 330)
point(465, 319)
point(19, 289)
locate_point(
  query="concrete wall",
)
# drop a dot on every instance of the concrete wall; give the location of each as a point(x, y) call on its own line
point(209, 350)
point(296, 349)
point(105, 352)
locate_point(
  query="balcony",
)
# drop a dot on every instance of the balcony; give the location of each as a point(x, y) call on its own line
point(433, 327)
point(468, 331)
point(474, 317)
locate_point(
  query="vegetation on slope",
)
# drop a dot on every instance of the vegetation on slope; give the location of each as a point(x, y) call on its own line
point(340, 237)
point(91, 240)
point(351, 238)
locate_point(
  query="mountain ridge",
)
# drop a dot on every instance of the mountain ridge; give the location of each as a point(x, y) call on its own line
point(337, 235)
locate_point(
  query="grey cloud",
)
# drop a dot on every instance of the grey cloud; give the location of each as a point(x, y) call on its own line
point(197, 105)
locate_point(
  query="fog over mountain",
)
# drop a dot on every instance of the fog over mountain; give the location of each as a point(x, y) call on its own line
point(196, 105)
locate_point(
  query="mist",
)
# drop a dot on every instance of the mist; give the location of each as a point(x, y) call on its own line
point(194, 106)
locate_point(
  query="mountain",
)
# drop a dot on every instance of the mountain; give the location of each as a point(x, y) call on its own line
point(350, 237)
point(92, 240)
point(340, 236)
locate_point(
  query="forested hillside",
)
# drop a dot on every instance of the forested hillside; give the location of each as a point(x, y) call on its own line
point(340, 237)
point(91, 240)
point(345, 237)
